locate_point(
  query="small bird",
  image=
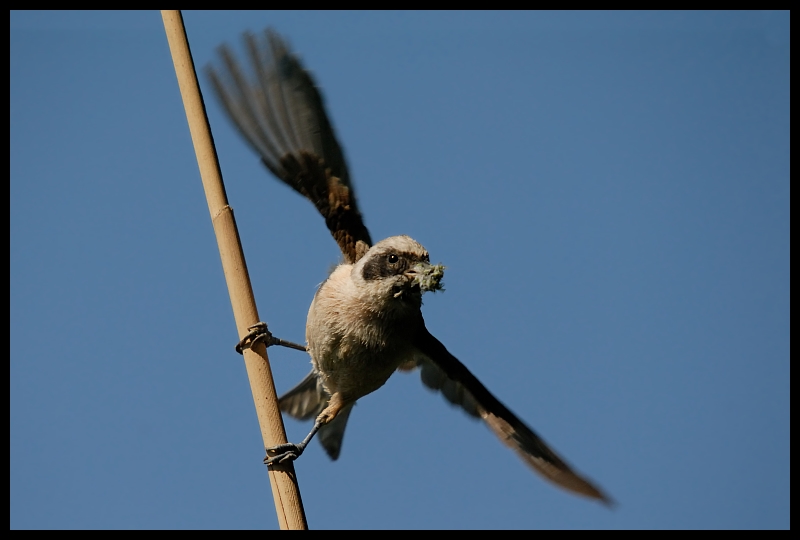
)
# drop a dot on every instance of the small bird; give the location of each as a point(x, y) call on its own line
point(365, 321)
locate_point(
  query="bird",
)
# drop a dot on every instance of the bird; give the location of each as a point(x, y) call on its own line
point(365, 321)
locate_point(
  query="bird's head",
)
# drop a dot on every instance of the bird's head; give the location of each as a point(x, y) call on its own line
point(398, 270)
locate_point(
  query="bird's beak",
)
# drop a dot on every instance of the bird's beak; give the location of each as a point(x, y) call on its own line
point(428, 276)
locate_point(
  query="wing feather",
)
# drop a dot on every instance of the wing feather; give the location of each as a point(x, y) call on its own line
point(281, 114)
point(441, 370)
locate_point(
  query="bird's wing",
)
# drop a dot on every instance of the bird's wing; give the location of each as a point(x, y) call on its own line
point(280, 112)
point(442, 371)
point(307, 399)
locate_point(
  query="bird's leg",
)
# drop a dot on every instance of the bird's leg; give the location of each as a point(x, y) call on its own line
point(260, 332)
point(290, 451)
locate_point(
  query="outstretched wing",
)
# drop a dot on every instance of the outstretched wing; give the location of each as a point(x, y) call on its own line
point(280, 112)
point(442, 371)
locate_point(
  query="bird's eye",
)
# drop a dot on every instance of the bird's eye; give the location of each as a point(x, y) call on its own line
point(392, 258)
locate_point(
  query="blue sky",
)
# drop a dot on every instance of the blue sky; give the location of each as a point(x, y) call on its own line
point(609, 192)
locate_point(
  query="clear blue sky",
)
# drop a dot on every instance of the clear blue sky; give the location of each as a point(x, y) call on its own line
point(609, 192)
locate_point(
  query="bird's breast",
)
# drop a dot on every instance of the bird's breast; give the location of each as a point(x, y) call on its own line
point(354, 346)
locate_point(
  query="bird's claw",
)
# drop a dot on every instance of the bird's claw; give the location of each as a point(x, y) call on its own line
point(257, 332)
point(260, 332)
point(283, 453)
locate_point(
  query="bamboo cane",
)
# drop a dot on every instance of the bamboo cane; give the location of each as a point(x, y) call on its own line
point(283, 480)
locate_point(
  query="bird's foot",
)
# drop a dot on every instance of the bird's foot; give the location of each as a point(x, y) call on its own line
point(260, 332)
point(257, 332)
point(283, 453)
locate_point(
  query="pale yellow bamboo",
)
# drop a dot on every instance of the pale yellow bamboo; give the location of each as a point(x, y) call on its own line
point(282, 477)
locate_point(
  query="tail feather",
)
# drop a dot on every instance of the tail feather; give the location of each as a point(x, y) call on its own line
point(331, 434)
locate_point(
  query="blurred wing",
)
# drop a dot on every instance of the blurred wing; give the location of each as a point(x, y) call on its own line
point(442, 371)
point(280, 113)
point(306, 400)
